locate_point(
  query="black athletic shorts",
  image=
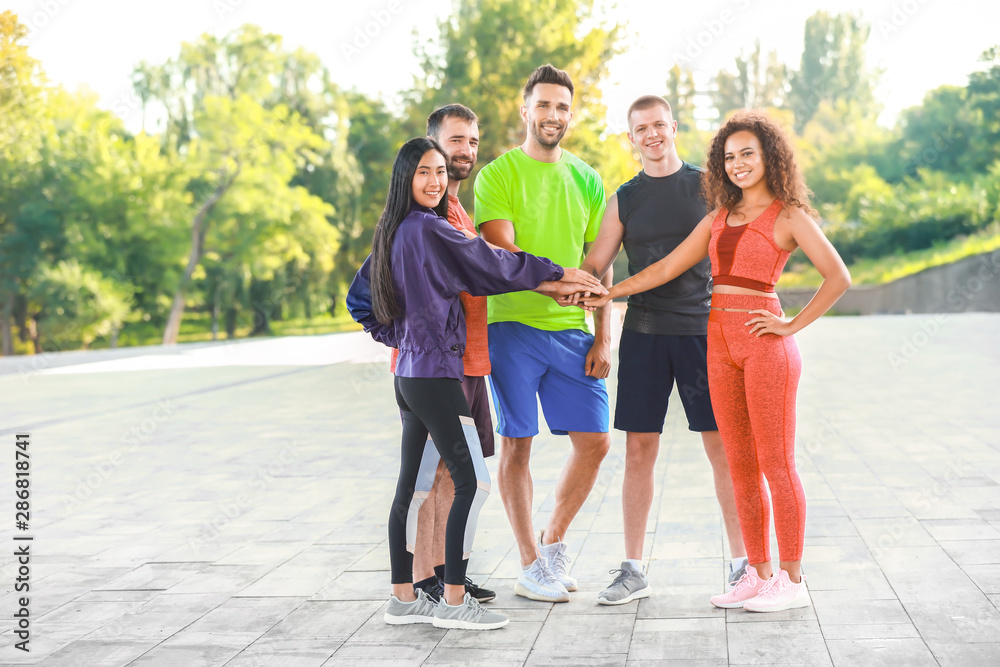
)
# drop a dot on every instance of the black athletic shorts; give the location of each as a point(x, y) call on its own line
point(648, 365)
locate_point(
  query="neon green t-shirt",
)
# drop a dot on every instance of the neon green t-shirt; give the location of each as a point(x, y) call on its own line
point(556, 207)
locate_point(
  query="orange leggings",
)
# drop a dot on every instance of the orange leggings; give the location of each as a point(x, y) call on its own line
point(752, 382)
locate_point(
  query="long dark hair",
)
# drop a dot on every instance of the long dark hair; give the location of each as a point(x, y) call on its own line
point(397, 206)
point(780, 170)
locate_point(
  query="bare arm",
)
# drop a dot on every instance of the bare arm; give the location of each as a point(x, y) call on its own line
point(836, 278)
point(601, 253)
point(499, 233)
point(691, 250)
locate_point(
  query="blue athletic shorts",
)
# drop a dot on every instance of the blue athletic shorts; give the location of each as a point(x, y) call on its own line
point(527, 362)
point(648, 365)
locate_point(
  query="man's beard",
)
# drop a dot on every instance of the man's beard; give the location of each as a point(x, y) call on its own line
point(536, 132)
point(459, 172)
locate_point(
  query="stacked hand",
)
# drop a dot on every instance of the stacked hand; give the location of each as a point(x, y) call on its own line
point(589, 301)
point(573, 285)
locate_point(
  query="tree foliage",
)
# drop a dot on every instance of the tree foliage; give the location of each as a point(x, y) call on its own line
point(484, 54)
point(251, 193)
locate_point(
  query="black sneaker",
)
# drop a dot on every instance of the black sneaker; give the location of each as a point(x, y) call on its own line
point(434, 591)
point(481, 594)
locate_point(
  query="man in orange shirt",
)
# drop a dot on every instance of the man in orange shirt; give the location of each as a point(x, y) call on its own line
point(456, 129)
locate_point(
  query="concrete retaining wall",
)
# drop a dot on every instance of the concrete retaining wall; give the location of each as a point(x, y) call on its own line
point(968, 285)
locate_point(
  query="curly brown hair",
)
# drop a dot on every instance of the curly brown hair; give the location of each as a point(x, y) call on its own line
point(780, 171)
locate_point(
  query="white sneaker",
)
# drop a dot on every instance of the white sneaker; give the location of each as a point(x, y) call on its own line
point(782, 594)
point(538, 583)
point(555, 553)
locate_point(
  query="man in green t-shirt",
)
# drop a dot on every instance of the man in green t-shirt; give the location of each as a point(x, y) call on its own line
point(544, 200)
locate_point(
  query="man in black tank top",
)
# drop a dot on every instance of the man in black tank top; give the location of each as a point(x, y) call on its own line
point(664, 334)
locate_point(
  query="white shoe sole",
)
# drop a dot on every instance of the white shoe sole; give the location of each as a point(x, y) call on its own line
point(635, 595)
point(413, 619)
point(570, 588)
point(455, 624)
point(525, 592)
point(791, 604)
point(730, 605)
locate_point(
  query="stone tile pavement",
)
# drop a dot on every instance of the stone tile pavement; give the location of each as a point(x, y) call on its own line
point(225, 505)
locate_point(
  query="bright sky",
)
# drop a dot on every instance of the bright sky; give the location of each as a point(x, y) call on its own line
point(919, 44)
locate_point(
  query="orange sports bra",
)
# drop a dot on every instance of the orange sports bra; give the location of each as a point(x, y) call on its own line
point(746, 255)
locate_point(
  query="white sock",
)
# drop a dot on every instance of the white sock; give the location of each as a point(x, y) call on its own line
point(637, 564)
point(737, 563)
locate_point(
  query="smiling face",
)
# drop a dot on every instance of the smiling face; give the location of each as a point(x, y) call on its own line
point(653, 132)
point(547, 113)
point(459, 139)
point(744, 159)
point(430, 182)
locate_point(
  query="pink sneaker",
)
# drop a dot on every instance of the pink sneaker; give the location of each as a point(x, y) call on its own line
point(782, 594)
point(746, 587)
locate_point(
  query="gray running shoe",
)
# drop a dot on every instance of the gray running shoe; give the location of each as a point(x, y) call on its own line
point(630, 584)
point(734, 576)
point(420, 610)
point(469, 615)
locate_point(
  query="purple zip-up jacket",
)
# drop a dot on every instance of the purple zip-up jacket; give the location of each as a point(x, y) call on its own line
point(431, 263)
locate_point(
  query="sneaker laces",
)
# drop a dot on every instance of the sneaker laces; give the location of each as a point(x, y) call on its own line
point(473, 604)
point(425, 598)
point(772, 586)
point(622, 576)
point(548, 576)
point(744, 577)
point(560, 559)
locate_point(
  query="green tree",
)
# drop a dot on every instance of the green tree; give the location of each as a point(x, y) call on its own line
point(484, 54)
point(833, 67)
point(25, 225)
point(984, 96)
point(757, 84)
point(681, 91)
point(70, 302)
point(947, 132)
point(242, 115)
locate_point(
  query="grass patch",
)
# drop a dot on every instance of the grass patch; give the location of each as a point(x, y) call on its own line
point(197, 327)
point(886, 269)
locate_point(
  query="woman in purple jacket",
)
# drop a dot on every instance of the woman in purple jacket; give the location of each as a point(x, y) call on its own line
point(406, 296)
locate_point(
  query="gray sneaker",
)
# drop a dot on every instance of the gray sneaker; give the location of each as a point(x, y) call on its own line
point(630, 584)
point(469, 615)
point(734, 575)
point(420, 610)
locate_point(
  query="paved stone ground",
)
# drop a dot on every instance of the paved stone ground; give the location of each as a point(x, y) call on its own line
point(225, 505)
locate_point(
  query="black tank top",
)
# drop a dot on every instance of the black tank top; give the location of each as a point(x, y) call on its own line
point(657, 214)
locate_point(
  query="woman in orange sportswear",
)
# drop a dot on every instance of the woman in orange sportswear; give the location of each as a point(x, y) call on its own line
point(761, 215)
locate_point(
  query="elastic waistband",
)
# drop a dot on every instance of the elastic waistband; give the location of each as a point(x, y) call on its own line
point(741, 301)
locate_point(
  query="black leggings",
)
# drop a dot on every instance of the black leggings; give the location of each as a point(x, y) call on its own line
point(436, 407)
